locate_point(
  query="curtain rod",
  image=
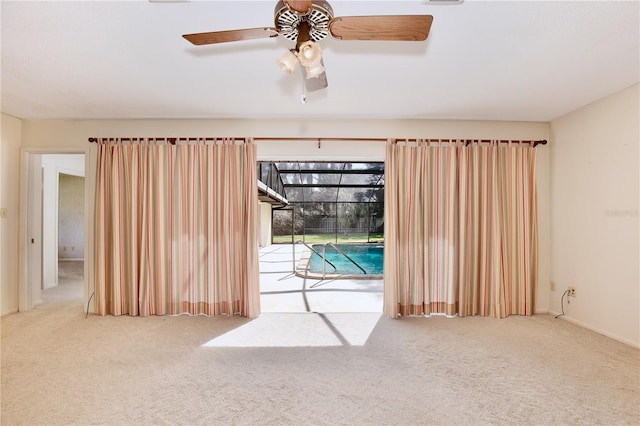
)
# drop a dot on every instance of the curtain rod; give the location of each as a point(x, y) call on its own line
point(466, 141)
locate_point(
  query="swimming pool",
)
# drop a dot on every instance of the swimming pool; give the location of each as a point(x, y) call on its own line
point(370, 257)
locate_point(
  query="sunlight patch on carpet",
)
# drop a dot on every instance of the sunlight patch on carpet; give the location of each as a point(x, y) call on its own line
point(300, 330)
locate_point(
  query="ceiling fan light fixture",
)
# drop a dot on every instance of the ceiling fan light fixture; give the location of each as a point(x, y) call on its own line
point(310, 54)
point(288, 62)
point(314, 70)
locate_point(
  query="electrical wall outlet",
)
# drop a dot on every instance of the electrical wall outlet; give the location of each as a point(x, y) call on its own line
point(572, 291)
point(552, 286)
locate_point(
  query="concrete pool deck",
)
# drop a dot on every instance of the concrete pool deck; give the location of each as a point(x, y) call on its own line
point(282, 291)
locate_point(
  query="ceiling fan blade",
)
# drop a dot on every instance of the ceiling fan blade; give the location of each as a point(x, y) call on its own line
point(301, 6)
point(391, 28)
point(231, 35)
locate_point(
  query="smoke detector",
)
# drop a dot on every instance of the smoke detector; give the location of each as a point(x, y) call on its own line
point(442, 2)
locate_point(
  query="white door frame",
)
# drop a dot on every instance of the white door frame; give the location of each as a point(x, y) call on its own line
point(25, 296)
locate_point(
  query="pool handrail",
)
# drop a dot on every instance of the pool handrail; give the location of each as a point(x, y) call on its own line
point(339, 250)
point(313, 251)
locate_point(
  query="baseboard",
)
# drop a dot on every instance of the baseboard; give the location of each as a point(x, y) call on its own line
point(597, 330)
point(12, 311)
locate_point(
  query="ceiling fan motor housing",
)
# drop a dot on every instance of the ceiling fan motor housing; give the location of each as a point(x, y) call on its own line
point(288, 20)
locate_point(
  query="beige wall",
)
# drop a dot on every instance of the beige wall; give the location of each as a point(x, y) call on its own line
point(11, 134)
point(71, 217)
point(594, 226)
point(46, 133)
point(70, 136)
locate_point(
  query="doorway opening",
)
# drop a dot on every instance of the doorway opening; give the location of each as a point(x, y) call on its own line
point(55, 227)
point(70, 238)
point(319, 207)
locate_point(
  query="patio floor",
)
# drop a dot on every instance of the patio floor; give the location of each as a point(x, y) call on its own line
point(282, 291)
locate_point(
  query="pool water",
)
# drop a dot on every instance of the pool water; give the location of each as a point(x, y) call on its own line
point(369, 256)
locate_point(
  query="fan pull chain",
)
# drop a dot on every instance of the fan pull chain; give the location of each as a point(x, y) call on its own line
point(303, 97)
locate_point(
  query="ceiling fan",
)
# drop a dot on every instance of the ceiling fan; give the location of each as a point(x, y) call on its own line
point(308, 21)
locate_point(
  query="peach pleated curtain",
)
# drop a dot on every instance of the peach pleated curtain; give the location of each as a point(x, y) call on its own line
point(460, 229)
point(176, 228)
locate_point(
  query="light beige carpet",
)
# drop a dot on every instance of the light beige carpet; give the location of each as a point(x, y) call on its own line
point(311, 368)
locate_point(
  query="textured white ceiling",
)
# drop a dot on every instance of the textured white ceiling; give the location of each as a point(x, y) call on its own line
point(484, 60)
